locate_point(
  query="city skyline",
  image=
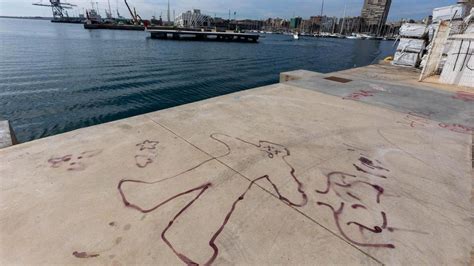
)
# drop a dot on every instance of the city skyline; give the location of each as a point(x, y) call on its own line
point(250, 9)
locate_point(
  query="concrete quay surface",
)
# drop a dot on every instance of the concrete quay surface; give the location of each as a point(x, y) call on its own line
point(421, 99)
point(283, 174)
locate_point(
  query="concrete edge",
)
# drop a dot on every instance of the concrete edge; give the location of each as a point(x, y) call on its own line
point(297, 75)
point(144, 115)
point(7, 135)
point(12, 135)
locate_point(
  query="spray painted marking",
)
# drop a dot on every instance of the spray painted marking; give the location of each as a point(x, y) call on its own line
point(73, 162)
point(147, 153)
point(457, 128)
point(272, 151)
point(464, 96)
point(347, 187)
point(358, 95)
point(415, 120)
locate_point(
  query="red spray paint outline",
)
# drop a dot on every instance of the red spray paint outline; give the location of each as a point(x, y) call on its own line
point(271, 153)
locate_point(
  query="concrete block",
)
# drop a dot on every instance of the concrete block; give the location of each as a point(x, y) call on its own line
point(470, 28)
point(411, 45)
point(459, 68)
point(406, 59)
point(413, 30)
point(458, 11)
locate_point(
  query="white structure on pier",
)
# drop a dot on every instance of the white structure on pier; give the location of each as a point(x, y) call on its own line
point(193, 19)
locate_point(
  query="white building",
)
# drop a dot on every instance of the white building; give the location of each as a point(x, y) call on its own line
point(193, 19)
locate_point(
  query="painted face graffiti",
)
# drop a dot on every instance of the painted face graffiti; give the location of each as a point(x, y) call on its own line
point(273, 150)
point(355, 194)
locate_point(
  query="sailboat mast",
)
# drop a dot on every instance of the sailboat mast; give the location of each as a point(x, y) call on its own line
point(321, 18)
point(322, 8)
point(168, 15)
point(344, 18)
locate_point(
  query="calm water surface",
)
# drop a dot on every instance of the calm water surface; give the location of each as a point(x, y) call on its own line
point(59, 77)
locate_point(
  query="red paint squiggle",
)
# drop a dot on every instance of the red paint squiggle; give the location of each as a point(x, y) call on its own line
point(346, 184)
point(457, 128)
point(368, 172)
point(360, 94)
point(464, 96)
point(337, 214)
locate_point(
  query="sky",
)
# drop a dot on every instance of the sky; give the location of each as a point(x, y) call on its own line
point(254, 9)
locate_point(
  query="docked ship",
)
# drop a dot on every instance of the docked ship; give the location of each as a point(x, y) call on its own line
point(74, 20)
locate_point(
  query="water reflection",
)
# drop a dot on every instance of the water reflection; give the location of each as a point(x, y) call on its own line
point(59, 77)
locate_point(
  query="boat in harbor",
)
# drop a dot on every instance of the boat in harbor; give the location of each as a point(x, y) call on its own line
point(296, 36)
point(355, 36)
point(352, 37)
point(72, 20)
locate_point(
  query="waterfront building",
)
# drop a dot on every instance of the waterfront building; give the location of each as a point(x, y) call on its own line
point(315, 23)
point(276, 24)
point(295, 23)
point(246, 24)
point(193, 19)
point(349, 25)
point(220, 24)
point(392, 29)
point(375, 13)
point(328, 24)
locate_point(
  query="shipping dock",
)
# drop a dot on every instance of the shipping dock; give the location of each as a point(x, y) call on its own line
point(203, 35)
point(113, 27)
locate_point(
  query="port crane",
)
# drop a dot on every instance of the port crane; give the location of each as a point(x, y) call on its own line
point(135, 17)
point(58, 8)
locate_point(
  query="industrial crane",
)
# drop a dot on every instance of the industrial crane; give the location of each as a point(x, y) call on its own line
point(135, 17)
point(57, 7)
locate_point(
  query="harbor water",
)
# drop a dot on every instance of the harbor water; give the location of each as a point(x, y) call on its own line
point(59, 77)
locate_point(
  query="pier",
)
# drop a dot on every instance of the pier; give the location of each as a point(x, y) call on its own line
point(364, 166)
point(203, 35)
point(112, 26)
